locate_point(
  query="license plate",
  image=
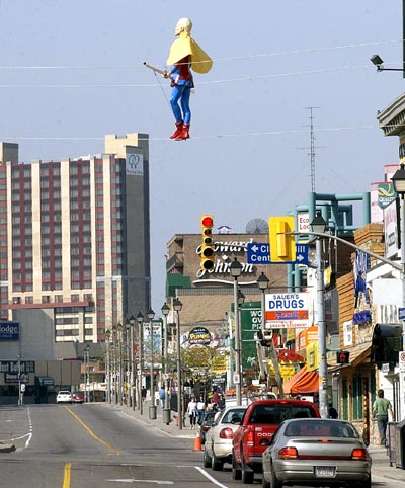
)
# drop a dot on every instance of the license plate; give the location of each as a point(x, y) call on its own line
point(325, 471)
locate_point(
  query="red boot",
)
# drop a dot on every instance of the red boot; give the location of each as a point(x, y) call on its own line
point(178, 131)
point(183, 133)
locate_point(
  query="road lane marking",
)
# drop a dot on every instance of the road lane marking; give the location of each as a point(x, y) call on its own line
point(104, 443)
point(208, 476)
point(130, 480)
point(66, 476)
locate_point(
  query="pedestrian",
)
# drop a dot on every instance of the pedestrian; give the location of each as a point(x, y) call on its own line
point(332, 412)
point(162, 396)
point(381, 408)
point(200, 409)
point(143, 393)
point(192, 412)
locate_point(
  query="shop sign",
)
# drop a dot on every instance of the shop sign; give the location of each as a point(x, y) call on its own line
point(12, 378)
point(391, 226)
point(386, 195)
point(402, 361)
point(219, 365)
point(312, 356)
point(135, 164)
point(9, 331)
point(199, 336)
point(348, 333)
point(287, 310)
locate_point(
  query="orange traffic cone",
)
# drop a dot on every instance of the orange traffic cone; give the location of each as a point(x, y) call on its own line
point(197, 443)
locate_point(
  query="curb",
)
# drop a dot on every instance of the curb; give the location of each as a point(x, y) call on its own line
point(7, 447)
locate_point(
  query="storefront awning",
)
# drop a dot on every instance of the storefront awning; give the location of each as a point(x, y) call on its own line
point(303, 382)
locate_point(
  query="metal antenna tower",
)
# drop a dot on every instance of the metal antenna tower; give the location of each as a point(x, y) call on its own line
point(312, 148)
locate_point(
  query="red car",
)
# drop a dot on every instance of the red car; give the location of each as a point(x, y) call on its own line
point(78, 397)
point(258, 424)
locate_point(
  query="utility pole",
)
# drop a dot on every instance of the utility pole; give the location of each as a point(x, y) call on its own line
point(312, 148)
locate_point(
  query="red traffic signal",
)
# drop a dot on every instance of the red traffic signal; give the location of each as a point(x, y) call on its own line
point(342, 357)
point(207, 221)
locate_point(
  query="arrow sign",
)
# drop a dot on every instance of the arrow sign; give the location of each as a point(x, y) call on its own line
point(259, 253)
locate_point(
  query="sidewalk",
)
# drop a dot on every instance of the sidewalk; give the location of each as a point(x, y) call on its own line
point(170, 430)
point(381, 465)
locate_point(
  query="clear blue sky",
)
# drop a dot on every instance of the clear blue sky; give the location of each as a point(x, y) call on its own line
point(251, 176)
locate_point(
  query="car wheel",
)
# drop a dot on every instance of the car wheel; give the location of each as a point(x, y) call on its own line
point(217, 464)
point(275, 483)
point(247, 474)
point(266, 484)
point(236, 472)
point(207, 460)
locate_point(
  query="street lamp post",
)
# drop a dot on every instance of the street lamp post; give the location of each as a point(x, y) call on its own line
point(114, 364)
point(318, 225)
point(107, 366)
point(139, 319)
point(177, 305)
point(399, 184)
point(86, 371)
point(128, 374)
point(166, 408)
point(132, 321)
point(263, 283)
point(236, 271)
point(152, 411)
point(120, 369)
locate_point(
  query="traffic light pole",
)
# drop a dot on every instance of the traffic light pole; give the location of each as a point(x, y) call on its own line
point(323, 365)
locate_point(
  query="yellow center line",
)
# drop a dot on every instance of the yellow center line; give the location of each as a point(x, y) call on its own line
point(104, 443)
point(66, 477)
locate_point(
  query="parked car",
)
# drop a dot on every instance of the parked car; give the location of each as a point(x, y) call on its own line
point(218, 443)
point(316, 451)
point(78, 397)
point(64, 397)
point(206, 422)
point(259, 422)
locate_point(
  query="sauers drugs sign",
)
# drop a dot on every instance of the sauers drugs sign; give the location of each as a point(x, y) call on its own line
point(285, 310)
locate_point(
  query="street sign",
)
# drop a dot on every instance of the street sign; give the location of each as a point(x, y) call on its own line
point(402, 361)
point(259, 253)
point(302, 253)
point(385, 368)
point(401, 313)
point(236, 379)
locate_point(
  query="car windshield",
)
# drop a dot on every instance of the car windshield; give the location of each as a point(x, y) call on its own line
point(275, 414)
point(328, 428)
point(64, 393)
point(237, 412)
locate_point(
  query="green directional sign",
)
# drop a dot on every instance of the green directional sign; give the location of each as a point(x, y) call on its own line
point(251, 320)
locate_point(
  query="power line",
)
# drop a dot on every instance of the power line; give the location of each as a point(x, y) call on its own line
point(242, 78)
point(137, 66)
point(265, 133)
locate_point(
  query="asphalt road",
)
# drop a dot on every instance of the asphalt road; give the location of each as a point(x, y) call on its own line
point(86, 446)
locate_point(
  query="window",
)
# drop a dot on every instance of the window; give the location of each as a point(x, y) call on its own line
point(275, 414)
point(75, 298)
point(59, 298)
point(46, 299)
point(357, 406)
point(28, 300)
point(326, 428)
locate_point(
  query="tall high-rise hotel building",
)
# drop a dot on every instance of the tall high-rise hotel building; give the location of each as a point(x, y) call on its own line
point(74, 237)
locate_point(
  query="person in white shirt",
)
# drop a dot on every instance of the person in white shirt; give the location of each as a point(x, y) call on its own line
point(200, 409)
point(192, 412)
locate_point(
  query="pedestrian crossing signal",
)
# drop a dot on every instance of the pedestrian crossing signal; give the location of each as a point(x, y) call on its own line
point(207, 250)
point(283, 247)
point(342, 357)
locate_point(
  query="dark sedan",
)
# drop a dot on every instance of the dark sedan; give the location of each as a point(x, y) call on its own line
point(206, 423)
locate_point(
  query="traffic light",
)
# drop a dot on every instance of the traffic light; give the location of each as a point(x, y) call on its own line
point(283, 247)
point(342, 357)
point(207, 251)
point(264, 337)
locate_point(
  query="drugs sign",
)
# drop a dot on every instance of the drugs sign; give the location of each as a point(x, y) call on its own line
point(286, 310)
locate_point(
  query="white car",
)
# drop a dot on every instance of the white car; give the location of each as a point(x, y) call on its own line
point(64, 397)
point(218, 444)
